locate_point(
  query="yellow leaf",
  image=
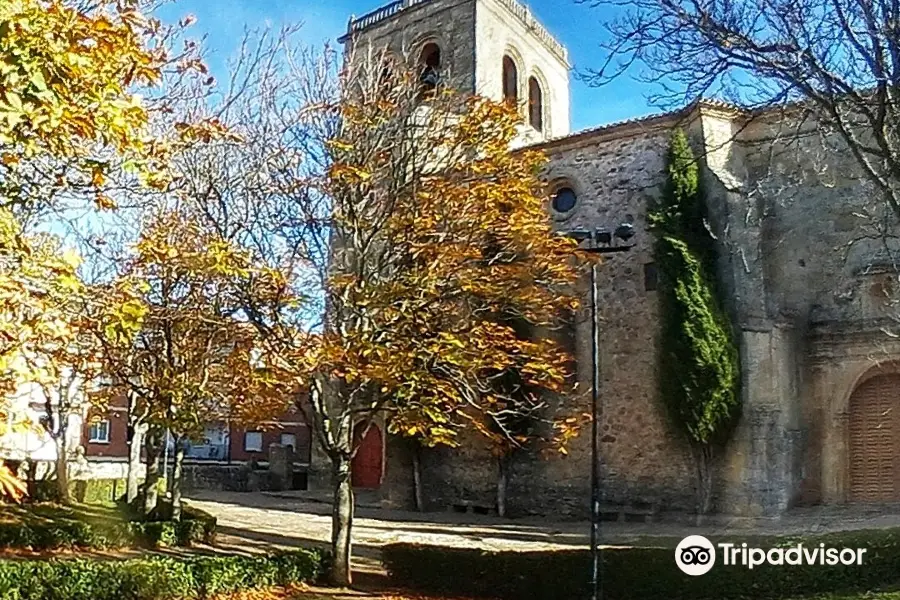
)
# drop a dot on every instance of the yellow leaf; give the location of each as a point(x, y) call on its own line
point(98, 178)
point(104, 202)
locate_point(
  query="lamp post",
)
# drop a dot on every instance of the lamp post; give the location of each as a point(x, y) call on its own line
point(598, 241)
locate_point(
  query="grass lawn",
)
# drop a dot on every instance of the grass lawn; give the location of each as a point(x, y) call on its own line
point(103, 519)
point(308, 593)
point(50, 528)
point(48, 512)
point(323, 594)
point(859, 596)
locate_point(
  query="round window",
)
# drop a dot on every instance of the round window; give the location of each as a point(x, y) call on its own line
point(564, 200)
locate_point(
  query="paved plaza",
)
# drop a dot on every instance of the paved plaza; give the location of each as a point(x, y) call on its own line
point(259, 520)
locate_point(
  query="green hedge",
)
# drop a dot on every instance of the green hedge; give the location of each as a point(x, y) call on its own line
point(195, 527)
point(57, 528)
point(645, 573)
point(153, 578)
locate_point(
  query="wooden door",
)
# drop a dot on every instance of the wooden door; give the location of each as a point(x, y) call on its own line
point(368, 464)
point(875, 440)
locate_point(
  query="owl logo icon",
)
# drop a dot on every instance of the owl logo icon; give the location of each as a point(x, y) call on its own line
point(695, 555)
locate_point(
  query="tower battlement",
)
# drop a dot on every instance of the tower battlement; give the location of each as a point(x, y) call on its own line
point(521, 11)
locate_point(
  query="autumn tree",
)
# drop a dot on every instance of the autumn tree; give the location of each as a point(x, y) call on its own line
point(67, 104)
point(36, 285)
point(404, 232)
point(174, 340)
point(414, 306)
point(64, 370)
point(71, 121)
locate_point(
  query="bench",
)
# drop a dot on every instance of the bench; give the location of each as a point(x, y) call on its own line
point(629, 513)
point(468, 506)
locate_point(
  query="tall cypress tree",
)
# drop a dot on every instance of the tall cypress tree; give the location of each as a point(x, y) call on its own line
point(700, 368)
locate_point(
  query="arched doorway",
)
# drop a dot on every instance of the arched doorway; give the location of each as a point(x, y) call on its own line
point(368, 464)
point(875, 440)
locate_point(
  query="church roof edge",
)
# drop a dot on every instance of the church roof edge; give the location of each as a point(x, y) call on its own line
point(645, 124)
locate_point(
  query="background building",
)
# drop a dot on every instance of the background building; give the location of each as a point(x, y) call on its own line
point(98, 441)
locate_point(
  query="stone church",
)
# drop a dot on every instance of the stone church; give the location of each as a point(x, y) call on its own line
point(808, 288)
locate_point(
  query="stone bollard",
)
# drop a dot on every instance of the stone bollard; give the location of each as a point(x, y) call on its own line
point(281, 466)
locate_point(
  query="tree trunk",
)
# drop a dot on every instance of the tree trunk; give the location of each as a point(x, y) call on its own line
point(703, 463)
point(502, 483)
point(31, 477)
point(176, 478)
point(417, 475)
point(134, 463)
point(341, 521)
point(151, 483)
point(62, 468)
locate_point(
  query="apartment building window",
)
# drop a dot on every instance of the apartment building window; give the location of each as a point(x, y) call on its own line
point(253, 441)
point(98, 432)
point(289, 439)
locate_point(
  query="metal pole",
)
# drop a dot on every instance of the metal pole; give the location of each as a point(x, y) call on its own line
point(166, 460)
point(595, 456)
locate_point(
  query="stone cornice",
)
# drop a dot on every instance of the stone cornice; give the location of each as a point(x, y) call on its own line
point(643, 125)
point(852, 339)
point(616, 131)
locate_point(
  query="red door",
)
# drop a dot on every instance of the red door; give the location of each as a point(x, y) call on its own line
point(368, 464)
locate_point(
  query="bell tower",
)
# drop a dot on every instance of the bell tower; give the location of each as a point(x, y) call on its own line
point(495, 48)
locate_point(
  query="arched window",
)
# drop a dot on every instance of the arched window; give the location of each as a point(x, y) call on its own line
point(431, 67)
point(510, 81)
point(564, 200)
point(535, 104)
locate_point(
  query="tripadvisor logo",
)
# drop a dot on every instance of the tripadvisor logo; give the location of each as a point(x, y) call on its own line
point(696, 555)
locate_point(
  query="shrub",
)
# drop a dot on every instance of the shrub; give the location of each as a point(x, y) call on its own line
point(645, 573)
point(156, 533)
point(191, 531)
point(195, 527)
point(221, 575)
point(46, 527)
point(699, 369)
point(153, 578)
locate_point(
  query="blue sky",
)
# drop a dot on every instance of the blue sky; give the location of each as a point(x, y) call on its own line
point(575, 25)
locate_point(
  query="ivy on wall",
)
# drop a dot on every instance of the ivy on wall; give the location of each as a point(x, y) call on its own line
point(700, 368)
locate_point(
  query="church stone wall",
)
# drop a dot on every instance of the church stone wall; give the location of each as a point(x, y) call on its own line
point(615, 177)
point(643, 462)
point(814, 199)
point(448, 23)
point(806, 315)
point(789, 212)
